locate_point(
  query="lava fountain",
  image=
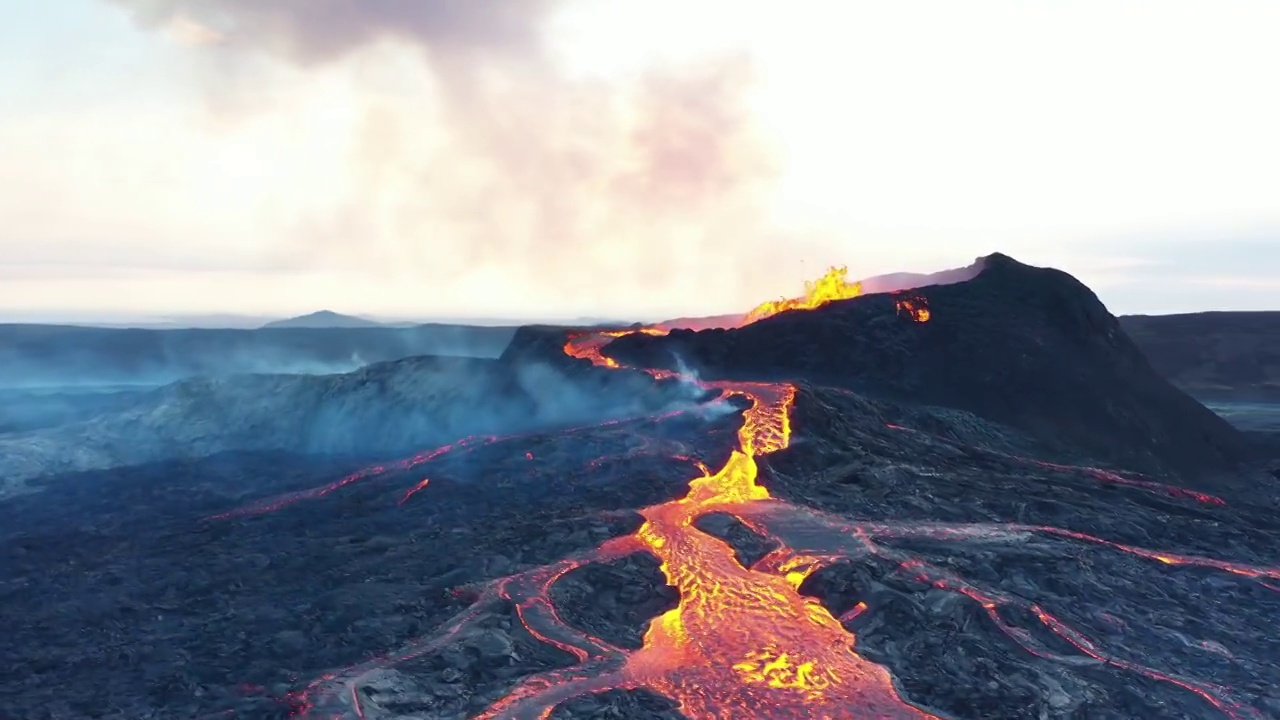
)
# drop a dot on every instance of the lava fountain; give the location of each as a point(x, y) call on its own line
point(830, 287)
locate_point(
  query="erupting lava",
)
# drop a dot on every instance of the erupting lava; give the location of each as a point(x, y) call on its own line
point(742, 641)
point(828, 288)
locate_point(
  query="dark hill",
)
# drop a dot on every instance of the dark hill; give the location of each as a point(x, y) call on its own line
point(323, 319)
point(215, 550)
point(1230, 356)
point(73, 355)
point(1031, 348)
point(399, 406)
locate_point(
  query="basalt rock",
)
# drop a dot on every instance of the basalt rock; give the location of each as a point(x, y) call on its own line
point(985, 580)
point(1229, 356)
point(618, 705)
point(615, 601)
point(748, 545)
point(1030, 348)
point(383, 409)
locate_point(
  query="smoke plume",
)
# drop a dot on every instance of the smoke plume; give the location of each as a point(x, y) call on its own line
point(523, 172)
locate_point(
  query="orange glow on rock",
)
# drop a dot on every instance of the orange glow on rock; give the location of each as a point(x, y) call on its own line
point(915, 307)
point(743, 642)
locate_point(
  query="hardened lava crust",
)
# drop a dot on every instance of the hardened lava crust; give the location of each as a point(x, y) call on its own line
point(812, 532)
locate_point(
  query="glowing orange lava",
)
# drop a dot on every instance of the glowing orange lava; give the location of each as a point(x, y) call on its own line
point(742, 642)
point(828, 288)
point(587, 346)
point(915, 307)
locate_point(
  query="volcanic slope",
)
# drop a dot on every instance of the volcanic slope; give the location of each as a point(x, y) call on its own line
point(376, 411)
point(763, 629)
point(1214, 356)
point(793, 549)
point(63, 355)
point(1031, 348)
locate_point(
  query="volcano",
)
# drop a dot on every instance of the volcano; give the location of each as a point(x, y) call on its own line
point(1030, 348)
point(972, 498)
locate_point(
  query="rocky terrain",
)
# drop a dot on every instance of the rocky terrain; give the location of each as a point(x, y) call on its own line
point(1031, 348)
point(25, 409)
point(379, 410)
point(44, 356)
point(1214, 356)
point(999, 513)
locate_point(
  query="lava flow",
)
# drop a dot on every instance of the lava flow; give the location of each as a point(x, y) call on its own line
point(742, 641)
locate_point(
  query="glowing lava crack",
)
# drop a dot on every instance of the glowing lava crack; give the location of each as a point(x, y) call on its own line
point(743, 642)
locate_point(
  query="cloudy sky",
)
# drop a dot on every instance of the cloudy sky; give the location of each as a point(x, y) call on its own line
point(567, 158)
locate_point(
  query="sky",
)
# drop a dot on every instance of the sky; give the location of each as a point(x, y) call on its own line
point(625, 158)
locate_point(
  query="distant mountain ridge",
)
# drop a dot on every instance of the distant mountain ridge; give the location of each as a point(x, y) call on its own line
point(323, 319)
point(1213, 355)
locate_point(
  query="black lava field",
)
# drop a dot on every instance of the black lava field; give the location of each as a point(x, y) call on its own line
point(997, 510)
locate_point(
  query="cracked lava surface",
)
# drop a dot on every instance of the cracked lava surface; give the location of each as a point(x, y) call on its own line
point(743, 642)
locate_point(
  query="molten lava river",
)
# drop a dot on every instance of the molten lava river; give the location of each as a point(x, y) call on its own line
point(743, 642)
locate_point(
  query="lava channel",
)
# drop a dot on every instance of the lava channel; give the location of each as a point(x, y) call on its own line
point(743, 642)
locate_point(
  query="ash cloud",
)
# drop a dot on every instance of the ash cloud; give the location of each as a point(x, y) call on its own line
point(315, 31)
point(586, 186)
